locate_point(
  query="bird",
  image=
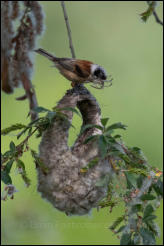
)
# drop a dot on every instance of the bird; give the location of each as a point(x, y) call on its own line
point(76, 70)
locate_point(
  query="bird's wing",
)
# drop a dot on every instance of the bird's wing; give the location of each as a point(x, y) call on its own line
point(80, 67)
point(83, 68)
point(67, 63)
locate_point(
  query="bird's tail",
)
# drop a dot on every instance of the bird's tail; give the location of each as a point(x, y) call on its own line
point(46, 54)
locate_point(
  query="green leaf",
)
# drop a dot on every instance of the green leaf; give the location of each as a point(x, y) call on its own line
point(138, 172)
point(131, 181)
point(12, 146)
point(158, 187)
point(115, 153)
point(90, 138)
point(108, 203)
point(50, 116)
point(93, 162)
point(136, 149)
point(5, 177)
point(69, 109)
point(20, 164)
point(29, 131)
point(12, 128)
point(147, 197)
point(72, 126)
point(104, 121)
point(118, 125)
point(26, 180)
point(125, 158)
point(118, 147)
point(7, 153)
point(136, 208)
point(153, 227)
point(40, 110)
point(150, 217)
point(140, 180)
point(39, 162)
point(117, 136)
point(145, 15)
point(147, 236)
point(102, 146)
point(121, 229)
point(8, 166)
point(108, 134)
point(111, 140)
point(148, 210)
point(88, 126)
point(117, 222)
point(126, 239)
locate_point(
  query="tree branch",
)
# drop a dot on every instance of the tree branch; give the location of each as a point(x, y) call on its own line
point(68, 29)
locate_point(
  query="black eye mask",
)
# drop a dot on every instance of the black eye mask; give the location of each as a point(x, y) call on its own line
point(100, 74)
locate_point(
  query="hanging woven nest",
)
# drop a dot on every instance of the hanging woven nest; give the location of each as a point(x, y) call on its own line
point(67, 186)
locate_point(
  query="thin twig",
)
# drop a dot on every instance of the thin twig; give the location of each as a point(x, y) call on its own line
point(157, 18)
point(68, 29)
point(19, 146)
point(27, 138)
point(154, 12)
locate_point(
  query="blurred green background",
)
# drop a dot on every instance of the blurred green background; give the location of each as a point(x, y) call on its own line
point(112, 35)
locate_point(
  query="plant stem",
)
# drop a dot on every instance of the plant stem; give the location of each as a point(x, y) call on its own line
point(68, 29)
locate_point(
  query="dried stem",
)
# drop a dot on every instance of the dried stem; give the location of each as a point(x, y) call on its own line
point(68, 29)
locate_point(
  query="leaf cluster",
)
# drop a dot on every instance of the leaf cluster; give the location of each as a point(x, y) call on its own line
point(15, 152)
point(135, 183)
